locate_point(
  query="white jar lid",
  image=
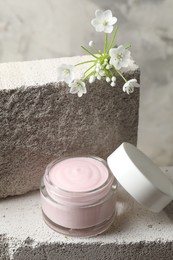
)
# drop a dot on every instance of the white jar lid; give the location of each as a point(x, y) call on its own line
point(140, 177)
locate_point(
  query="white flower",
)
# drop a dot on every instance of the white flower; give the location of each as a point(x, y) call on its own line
point(120, 57)
point(66, 73)
point(130, 85)
point(104, 21)
point(78, 87)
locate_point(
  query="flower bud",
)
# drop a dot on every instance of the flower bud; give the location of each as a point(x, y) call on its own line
point(92, 79)
point(113, 78)
point(91, 43)
point(113, 84)
point(108, 79)
point(102, 72)
point(98, 65)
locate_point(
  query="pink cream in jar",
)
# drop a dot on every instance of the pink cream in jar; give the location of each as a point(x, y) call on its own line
point(78, 196)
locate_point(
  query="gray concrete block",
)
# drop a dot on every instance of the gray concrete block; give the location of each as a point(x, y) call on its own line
point(135, 234)
point(41, 120)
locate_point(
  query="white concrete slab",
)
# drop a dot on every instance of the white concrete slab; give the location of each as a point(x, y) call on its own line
point(40, 72)
point(135, 234)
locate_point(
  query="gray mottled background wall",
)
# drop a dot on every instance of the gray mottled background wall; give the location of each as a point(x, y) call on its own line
point(38, 29)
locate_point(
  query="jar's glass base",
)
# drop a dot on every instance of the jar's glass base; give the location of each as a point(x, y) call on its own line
point(85, 232)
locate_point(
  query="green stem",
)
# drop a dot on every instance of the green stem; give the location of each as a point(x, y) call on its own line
point(84, 62)
point(113, 38)
point(89, 68)
point(86, 77)
point(89, 52)
point(117, 71)
point(95, 49)
point(105, 43)
point(111, 73)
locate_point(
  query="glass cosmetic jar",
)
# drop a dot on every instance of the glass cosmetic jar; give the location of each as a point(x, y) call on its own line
point(78, 196)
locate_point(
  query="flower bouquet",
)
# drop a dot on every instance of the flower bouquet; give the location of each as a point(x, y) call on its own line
point(104, 65)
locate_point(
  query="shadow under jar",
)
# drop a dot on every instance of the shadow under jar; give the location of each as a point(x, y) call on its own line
point(78, 196)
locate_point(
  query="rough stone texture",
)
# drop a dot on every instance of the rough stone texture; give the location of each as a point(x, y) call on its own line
point(67, 25)
point(41, 121)
point(4, 248)
point(135, 234)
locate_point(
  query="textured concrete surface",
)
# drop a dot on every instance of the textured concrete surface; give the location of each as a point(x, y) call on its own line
point(146, 25)
point(41, 120)
point(135, 234)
